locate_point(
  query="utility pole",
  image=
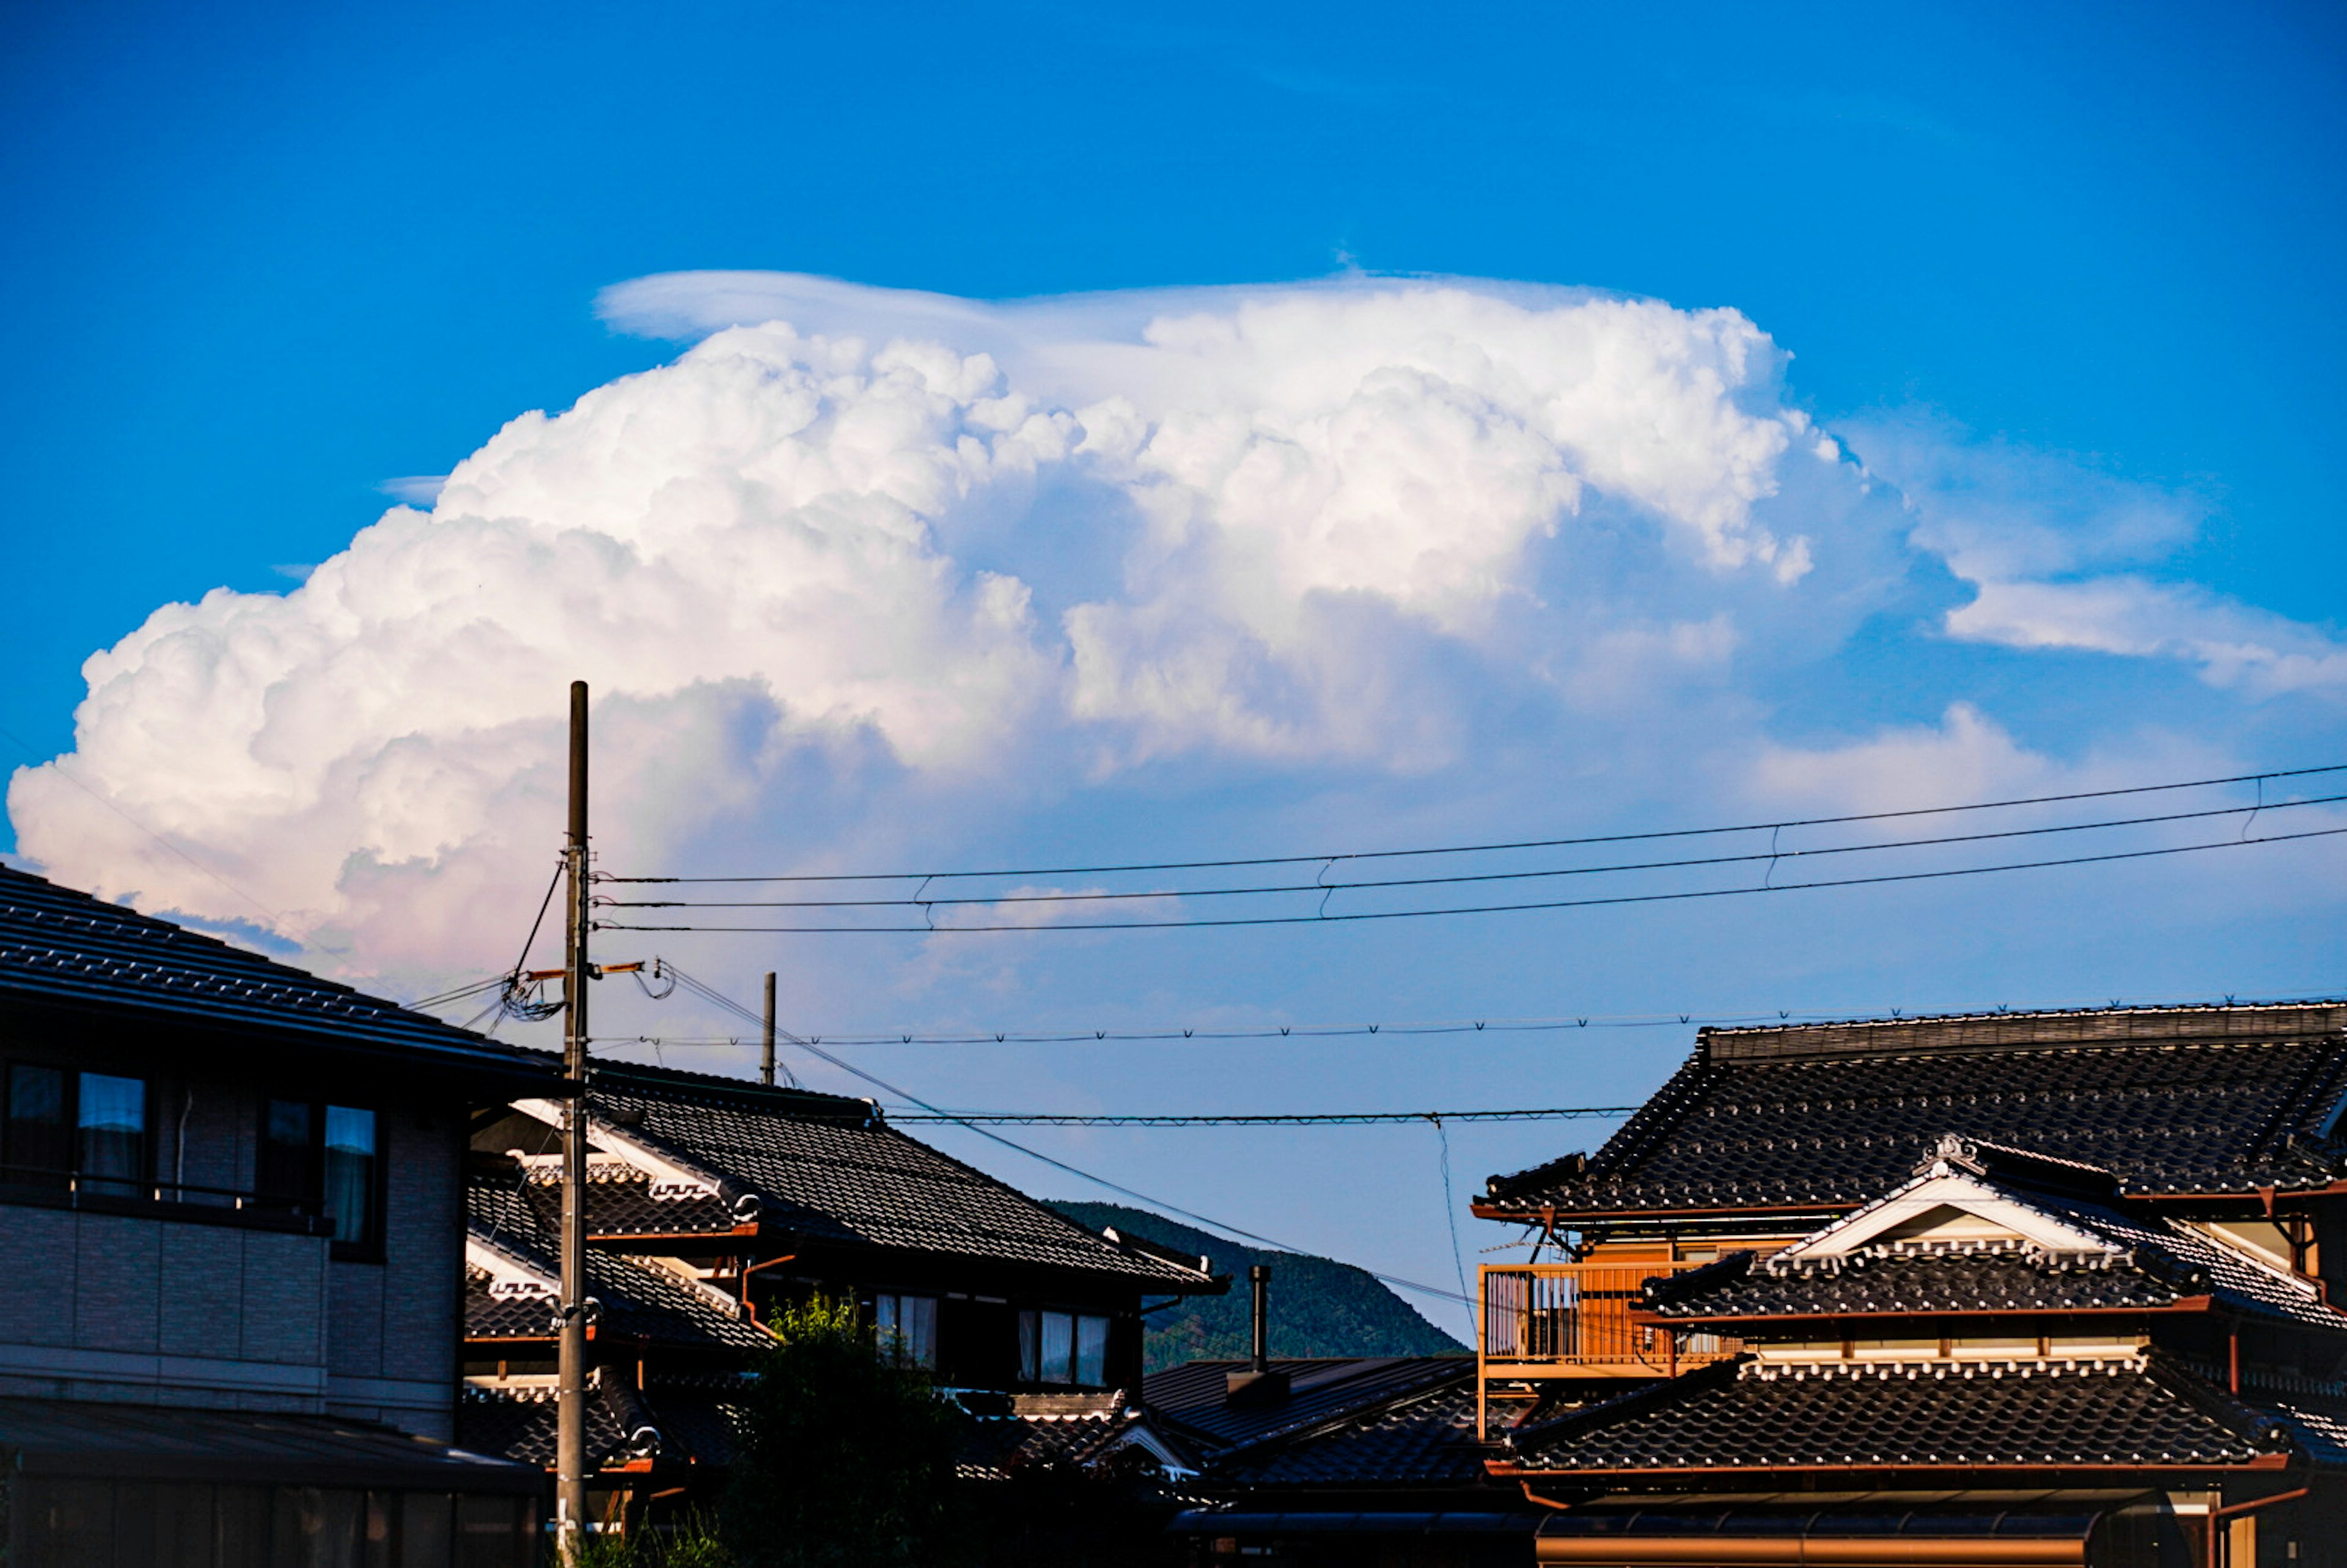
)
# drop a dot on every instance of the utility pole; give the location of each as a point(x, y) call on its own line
point(570, 1401)
point(766, 1038)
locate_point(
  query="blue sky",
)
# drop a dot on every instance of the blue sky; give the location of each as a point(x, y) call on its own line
point(2064, 281)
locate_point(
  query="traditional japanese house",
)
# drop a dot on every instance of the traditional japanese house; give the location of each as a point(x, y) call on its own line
point(1371, 1459)
point(230, 1224)
point(2013, 1289)
point(713, 1200)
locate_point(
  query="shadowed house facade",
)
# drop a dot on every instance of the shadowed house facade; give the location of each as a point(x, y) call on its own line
point(710, 1202)
point(2049, 1288)
point(230, 1253)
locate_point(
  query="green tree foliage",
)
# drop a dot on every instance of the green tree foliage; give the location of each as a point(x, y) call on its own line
point(844, 1460)
point(690, 1542)
point(1319, 1307)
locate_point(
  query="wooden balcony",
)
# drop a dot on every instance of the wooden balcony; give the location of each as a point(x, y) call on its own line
point(1545, 1321)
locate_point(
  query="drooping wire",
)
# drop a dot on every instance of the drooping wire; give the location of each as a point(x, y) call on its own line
point(1772, 856)
point(719, 999)
point(1611, 900)
point(1451, 1214)
point(518, 997)
point(1234, 863)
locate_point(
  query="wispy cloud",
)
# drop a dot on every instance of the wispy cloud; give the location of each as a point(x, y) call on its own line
point(413, 489)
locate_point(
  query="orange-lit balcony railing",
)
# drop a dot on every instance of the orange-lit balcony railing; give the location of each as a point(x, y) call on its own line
point(1550, 1320)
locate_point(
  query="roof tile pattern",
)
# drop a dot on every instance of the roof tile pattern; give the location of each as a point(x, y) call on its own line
point(2159, 1262)
point(995, 1447)
point(853, 1180)
point(2211, 1100)
point(1193, 1395)
point(1419, 1442)
point(60, 946)
point(693, 1425)
point(1955, 1415)
point(637, 1297)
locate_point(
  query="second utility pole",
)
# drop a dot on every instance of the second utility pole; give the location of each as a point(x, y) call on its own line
point(766, 1039)
point(570, 1392)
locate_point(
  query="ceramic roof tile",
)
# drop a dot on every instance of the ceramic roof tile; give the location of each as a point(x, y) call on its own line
point(679, 1423)
point(831, 1171)
point(1746, 1417)
point(2157, 1263)
point(1424, 1440)
point(61, 946)
point(639, 1298)
point(1193, 1395)
point(2168, 1099)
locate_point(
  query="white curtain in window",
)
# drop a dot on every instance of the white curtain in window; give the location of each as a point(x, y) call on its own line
point(1092, 1351)
point(1058, 1350)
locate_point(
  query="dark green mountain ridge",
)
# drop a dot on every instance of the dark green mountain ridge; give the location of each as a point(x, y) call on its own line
point(1319, 1307)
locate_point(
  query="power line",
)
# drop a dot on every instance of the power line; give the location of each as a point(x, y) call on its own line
point(1273, 1119)
point(1312, 1031)
point(1772, 856)
point(711, 995)
point(1325, 918)
point(1494, 849)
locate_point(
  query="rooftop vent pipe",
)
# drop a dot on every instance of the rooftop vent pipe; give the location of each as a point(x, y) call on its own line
point(1258, 1384)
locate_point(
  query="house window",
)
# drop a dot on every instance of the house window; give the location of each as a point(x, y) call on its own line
point(322, 1154)
point(112, 1127)
point(38, 1142)
point(908, 1326)
point(1064, 1348)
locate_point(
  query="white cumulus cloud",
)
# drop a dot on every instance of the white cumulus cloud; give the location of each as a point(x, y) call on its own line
point(864, 570)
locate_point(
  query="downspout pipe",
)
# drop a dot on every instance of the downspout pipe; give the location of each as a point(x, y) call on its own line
point(2217, 1516)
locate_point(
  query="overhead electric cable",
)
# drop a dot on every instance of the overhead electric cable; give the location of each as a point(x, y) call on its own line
point(2257, 778)
point(719, 999)
point(1311, 1031)
point(1772, 856)
point(1346, 916)
point(1265, 1119)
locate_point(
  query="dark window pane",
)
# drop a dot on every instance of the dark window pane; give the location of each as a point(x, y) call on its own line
point(423, 1526)
point(916, 1331)
point(1057, 1358)
point(1031, 1366)
point(282, 1169)
point(1092, 1351)
point(37, 1137)
point(350, 1171)
point(113, 1125)
point(490, 1533)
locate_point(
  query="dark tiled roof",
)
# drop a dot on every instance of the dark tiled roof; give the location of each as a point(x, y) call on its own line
point(1741, 1417)
point(1422, 1442)
point(2168, 1099)
point(66, 949)
point(1193, 1397)
point(1970, 1280)
point(845, 1178)
point(995, 1447)
point(668, 1424)
point(62, 1436)
point(2156, 1263)
point(639, 1298)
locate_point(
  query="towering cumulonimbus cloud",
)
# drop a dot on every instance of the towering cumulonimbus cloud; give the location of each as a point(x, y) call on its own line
point(906, 562)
